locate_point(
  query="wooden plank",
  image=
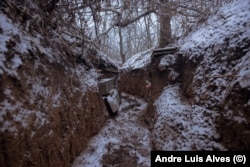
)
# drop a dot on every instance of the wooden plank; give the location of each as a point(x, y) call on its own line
point(164, 51)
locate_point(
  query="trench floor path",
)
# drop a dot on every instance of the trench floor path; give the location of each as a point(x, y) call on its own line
point(123, 141)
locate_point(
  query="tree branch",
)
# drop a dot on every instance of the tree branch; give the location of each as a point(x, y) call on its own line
point(110, 9)
point(129, 21)
point(190, 8)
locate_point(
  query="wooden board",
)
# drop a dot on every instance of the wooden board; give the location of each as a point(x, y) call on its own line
point(164, 51)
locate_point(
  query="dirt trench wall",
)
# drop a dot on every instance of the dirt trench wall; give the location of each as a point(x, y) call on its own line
point(214, 77)
point(50, 107)
point(57, 143)
point(134, 81)
point(159, 74)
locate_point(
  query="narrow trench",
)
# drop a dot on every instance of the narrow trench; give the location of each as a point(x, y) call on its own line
point(164, 120)
point(123, 141)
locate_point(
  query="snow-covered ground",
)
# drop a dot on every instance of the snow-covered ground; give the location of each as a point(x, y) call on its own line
point(230, 26)
point(123, 132)
point(231, 20)
point(221, 46)
point(138, 61)
point(178, 126)
point(181, 126)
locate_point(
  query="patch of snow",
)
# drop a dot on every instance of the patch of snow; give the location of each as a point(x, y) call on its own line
point(17, 62)
point(180, 126)
point(91, 79)
point(244, 79)
point(173, 75)
point(20, 117)
point(8, 93)
point(138, 61)
point(240, 119)
point(231, 18)
point(108, 60)
point(10, 67)
point(167, 61)
point(8, 30)
point(244, 73)
point(2, 59)
point(88, 79)
point(39, 90)
point(21, 43)
point(56, 99)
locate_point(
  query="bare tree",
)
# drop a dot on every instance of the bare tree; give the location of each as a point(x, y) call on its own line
point(117, 27)
point(165, 23)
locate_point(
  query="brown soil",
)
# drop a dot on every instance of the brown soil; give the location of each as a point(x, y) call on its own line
point(69, 125)
point(120, 157)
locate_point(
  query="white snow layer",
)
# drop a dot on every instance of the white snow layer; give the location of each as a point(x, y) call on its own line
point(180, 126)
point(167, 61)
point(24, 117)
point(232, 18)
point(138, 61)
point(244, 73)
point(108, 60)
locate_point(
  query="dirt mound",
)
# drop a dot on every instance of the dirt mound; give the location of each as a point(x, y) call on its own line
point(216, 73)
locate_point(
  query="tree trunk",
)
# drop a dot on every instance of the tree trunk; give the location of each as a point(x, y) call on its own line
point(165, 24)
point(121, 45)
point(147, 26)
